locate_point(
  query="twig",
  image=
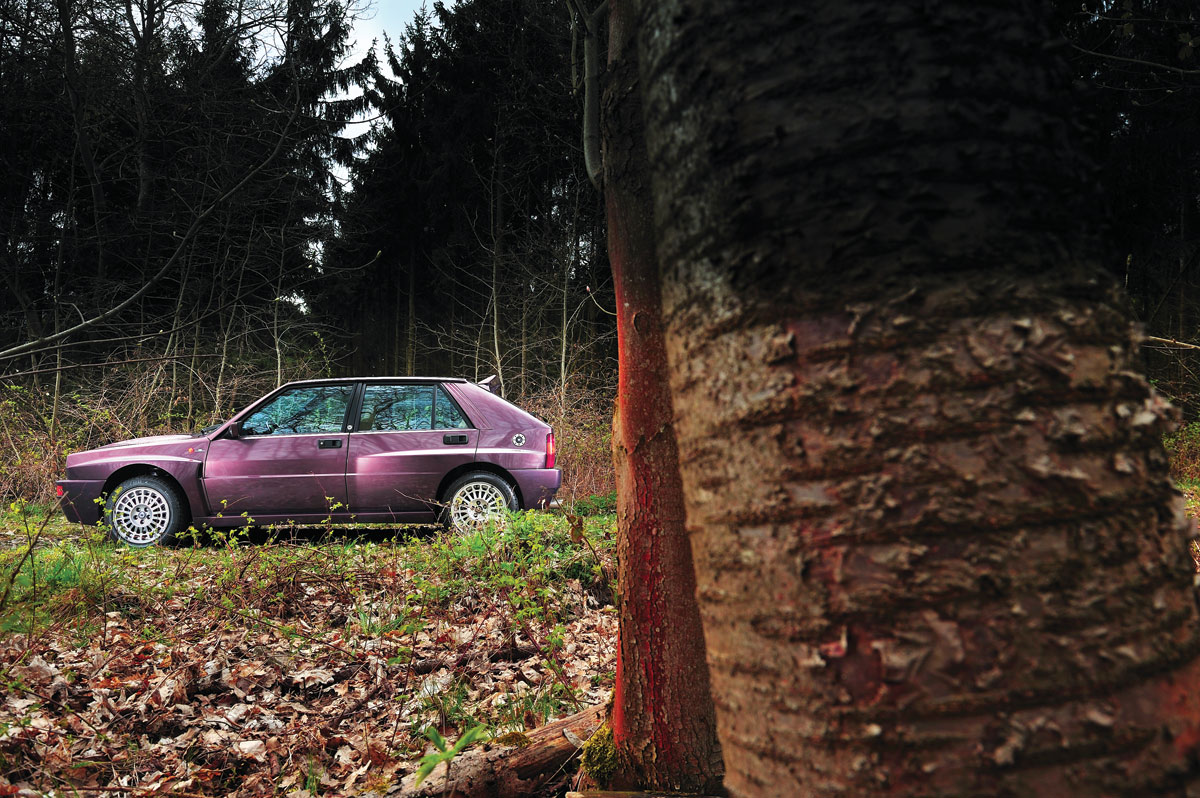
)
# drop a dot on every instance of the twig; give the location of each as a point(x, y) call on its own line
point(1171, 342)
point(1151, 64)
point(99, 364)
point(162, 790)
point(12, 578)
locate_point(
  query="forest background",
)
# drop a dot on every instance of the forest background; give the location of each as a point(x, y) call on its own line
point(187, 219)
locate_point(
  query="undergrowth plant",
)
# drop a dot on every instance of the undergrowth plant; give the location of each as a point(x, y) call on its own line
point(1183, 451)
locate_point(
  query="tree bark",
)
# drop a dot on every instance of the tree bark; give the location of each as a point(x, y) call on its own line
point(936, 546)
point(663, 723)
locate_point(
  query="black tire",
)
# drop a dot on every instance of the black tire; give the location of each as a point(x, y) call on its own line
point(144, 511)
point(468, 497)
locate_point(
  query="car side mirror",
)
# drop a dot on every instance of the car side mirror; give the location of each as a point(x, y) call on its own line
point(235, 430)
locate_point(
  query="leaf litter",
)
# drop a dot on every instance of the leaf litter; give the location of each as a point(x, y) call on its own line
point(291, 668)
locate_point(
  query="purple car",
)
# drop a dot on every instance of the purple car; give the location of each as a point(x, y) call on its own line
point(392, 449)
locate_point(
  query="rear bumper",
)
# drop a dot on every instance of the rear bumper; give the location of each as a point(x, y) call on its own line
point(538, 486)
point(79, 500)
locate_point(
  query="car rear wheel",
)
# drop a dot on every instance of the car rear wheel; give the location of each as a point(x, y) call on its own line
point(143, 511)
point(477, 500)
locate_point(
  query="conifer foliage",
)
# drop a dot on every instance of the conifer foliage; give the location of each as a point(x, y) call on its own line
point(181, 189)
point(167, 172)
point(475, 199)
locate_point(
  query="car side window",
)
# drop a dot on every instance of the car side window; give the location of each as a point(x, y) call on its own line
point(301, 411)
point(447, 415)
point(396, 408)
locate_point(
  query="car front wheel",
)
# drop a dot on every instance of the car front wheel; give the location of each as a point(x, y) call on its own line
point(143, 511)
point(477, 500)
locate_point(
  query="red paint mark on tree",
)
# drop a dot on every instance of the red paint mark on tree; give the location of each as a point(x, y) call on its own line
point(663, 720)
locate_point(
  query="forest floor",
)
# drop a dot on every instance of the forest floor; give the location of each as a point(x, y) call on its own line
point(296, 662)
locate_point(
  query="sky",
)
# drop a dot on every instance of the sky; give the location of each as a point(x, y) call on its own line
point(376, 18)
point(380, 16)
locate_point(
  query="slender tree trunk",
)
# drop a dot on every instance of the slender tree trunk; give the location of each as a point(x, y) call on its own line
point(663, 723)
point(275, 326)
point(479, 346)
point(58, 349)
point(278, 299)
point(143, 42)
point(524, 343)
point(171, 350)
point(1187, 251)
point(562, 350)
point(937, 550)
point(453, 333)
point(226, 332)
point(499, 226)
point(496, 328)
point(191, 378)
point(60, 257)
point(410, 336)
point(394, 364)
point(82, 136)
point(496, 324)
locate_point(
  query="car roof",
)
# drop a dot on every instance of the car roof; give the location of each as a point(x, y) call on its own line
point(339, 380)
point(486, 408)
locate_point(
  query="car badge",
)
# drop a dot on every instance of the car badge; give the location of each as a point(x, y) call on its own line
point(518, 440)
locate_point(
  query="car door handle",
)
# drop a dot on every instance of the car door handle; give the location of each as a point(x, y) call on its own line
point(329, 443)
point(454, 439)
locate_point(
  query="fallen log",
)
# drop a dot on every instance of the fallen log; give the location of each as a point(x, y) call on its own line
point(510, 766)
point(627, 794)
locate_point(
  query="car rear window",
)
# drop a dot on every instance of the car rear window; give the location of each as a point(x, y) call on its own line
point(396, 408)
point(448, 414)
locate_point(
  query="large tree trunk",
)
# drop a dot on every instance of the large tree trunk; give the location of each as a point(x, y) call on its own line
point(663, 723)
point(936, 546)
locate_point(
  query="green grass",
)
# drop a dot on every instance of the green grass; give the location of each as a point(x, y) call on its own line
point(54, 570)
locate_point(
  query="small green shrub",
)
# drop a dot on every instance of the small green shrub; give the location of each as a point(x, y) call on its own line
point(1183, 451)
point(604, 504)
point(582, 427)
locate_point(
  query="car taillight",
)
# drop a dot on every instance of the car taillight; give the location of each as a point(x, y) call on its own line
point(58, 491)
point(550, 450)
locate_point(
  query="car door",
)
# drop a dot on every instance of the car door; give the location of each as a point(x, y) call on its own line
point(289, 457)
point(407, 438)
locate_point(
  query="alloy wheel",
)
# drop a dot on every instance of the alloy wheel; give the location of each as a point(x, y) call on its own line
point(141, 515)
point(475, 505)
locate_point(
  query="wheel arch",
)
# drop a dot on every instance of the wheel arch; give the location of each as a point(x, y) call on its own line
point(490, 468)
point(145, 470)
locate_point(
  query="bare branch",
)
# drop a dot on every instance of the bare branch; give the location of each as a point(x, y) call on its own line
point(1152, 64)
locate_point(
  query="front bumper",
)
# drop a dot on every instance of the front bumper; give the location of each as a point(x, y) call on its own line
point(537, 485)
point(79, 500)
